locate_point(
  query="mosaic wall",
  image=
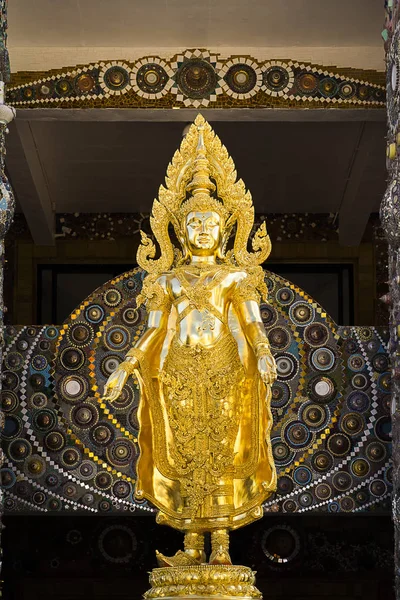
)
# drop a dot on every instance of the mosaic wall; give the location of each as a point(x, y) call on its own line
point(197, 78)
point(67, 450)
point(320, 227)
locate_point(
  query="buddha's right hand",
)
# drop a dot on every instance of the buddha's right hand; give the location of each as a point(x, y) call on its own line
point(115, 383)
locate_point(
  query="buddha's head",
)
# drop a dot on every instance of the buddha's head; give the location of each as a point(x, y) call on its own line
point(203, 232)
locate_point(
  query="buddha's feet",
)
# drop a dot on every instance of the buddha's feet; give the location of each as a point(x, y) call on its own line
point(180, 559)
point(220, 557)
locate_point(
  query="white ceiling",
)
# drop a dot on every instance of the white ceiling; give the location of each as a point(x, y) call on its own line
point(190, 23)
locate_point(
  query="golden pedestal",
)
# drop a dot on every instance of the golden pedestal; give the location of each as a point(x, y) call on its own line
point(203, 581)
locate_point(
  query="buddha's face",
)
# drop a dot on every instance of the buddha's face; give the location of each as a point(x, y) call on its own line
point(203, 232)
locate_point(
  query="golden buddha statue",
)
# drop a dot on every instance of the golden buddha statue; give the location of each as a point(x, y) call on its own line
point(204, 362)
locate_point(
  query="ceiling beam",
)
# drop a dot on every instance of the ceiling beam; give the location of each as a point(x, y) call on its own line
point(357, 202)
point(187, 115)
point(29, 182)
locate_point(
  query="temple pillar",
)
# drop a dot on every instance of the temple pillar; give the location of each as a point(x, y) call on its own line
point(7, 202)
point(390, 219)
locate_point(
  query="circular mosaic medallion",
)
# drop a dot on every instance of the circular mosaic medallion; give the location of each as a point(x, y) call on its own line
point(133, 419)
point(14, 361)
point(87, 470)
point(352, 424)
point(10, 380)
point(196, 78)
point(72, 359)
point(12, 427)
point(347, 90)
point(125, 400)
point(323, 491)
point(34, 466)
point(315, 416)
point(37, 381)
point(364, 92)
point(70, 457)
point(276, 79)
point(80, 334)
point(351, 347)
point(378, 487)
point(103, 480)
point(356, 363)
point(362, 497)
point(112, 297)
point(286, 366)
point(121, 453)
point(241, 78)
point(51, 332)
point(322, 389)
point(117, 338)
point(360, 467)
point(328, 87)
point(301, 313)
point(281, 452)
point(269, 315)
point(347, 504)
point(359, 382)
point(8, 478)
point(284, 485)
point(109, 364)
point(44, 419)
point(302, 475)
point(305, 499)
point(9, 401)
point(280, 394)
point(358, 401)
point(102, 434)
point(19, 449)
point(297, 435)
point(94, 313)
point(39, 362)
point(342, 481)
point(289, 506)
point(122, 488)
point(131, 316)
point(63, 87)
point(54, 441)
point(285, 296)
point(376, 452)
point(116, 78)
point(339, 444)
point(73, 388)
point(84, 415)
point(323, 359)
point(380, 362)
point(151, 78)
point(22, 345)
point(279, 338)
point(306, 83)
point(384, 383)
point(316, 335)
point(322, 461)
point(84, 83)
point(383, 429)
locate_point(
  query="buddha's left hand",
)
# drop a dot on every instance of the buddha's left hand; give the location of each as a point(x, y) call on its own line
point(267, 369)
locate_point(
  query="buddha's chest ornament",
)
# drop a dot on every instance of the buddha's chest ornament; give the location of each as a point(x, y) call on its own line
point(197, 291)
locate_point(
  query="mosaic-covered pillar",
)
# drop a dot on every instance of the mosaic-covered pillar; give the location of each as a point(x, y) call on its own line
point(7, 202)
point(390, 218)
